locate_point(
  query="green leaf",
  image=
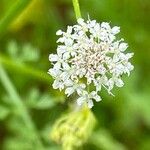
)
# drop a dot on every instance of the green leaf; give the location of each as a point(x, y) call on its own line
point(45, 102)
point(24, 53)
point(37, 100)
point(30, 53)
point(12, 49)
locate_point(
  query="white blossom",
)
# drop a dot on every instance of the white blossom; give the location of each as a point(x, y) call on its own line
point(89, 58)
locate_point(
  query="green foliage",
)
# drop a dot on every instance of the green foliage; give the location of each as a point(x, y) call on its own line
point(26, 53)
point(30, 109)
point(3, 112)
point(37, 101)
point(103, 140)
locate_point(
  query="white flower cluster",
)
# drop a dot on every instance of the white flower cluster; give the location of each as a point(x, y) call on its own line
point(88, 58)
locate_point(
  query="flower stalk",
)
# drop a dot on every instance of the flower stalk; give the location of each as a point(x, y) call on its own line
point(76, 8)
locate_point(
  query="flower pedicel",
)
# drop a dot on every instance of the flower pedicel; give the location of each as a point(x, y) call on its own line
point(89, 56)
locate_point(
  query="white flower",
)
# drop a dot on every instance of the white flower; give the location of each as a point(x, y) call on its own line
point(88, 59)
point(78, 87)
point(123, 46)
point(88, 97)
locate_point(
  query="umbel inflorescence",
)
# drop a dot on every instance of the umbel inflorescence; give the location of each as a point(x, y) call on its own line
point(89, 58)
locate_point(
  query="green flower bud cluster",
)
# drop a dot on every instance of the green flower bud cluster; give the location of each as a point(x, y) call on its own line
point(74, 129)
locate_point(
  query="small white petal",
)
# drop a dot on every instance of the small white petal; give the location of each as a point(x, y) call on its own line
point(69, 91)
point(130, 67)
point(59, 32)
point(61, 49)
point(80, 101)
point(80, 88)
point(80, 21)
point(119, 82)
point(129, 55)
point(92, 23)
point(55, 84)
point(57, 65)
point(110, 84)
point(90, 103)
point(66, 55)
point(64, 76)
point(101, 69)
point(98, 87)
point(61, 40)
point(116, 58)
point(69, 29)
point(97, 27)
point(54, 72)
point(105, 25)
point(92, 94)
point(115, 30)
point(83, 85)
point(68, 42)
point(68, 82)
point(98, 98)
point(65, 66)
point(53, 57)
point(73, 53)
point(123, 47)
point(58, 85)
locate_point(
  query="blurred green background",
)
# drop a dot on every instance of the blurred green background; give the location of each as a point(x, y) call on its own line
point(29, 106)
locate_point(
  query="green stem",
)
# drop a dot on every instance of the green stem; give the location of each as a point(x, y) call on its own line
point(17, 102)
point(11, 14)
point(24, 69)
point(76, 8)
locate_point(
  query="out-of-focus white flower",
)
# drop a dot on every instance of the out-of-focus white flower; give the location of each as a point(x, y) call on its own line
point(89, 55)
